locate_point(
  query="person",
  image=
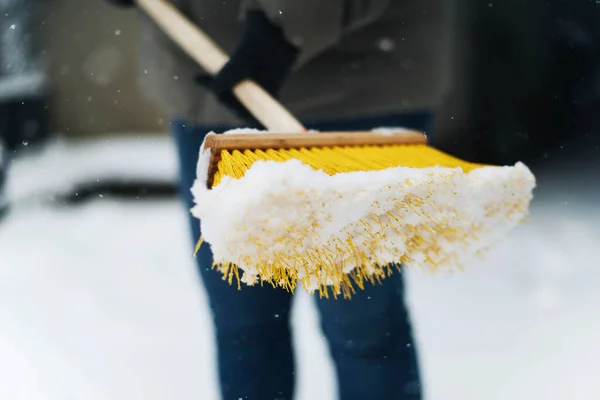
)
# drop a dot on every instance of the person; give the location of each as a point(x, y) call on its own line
point(337, 65)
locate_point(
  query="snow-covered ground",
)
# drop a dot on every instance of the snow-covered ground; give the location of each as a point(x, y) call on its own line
point(101, 302)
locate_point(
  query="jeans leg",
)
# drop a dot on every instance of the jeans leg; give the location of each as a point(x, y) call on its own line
point(370, 336)
point(252, 325)
point(371, 343)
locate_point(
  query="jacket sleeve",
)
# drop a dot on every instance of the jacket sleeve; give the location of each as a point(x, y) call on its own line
point(315, 25)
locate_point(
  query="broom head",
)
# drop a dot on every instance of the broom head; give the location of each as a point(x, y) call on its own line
point(336, 210)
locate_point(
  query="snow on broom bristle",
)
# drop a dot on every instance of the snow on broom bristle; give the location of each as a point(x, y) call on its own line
point(337, 218)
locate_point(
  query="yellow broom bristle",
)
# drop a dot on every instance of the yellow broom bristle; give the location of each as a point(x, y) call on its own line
point(414, 228)
point(334, 160)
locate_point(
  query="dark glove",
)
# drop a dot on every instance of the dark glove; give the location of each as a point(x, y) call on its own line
point(262, 55)
point(122, 3)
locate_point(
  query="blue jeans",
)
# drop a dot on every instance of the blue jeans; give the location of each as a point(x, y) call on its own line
point(370, 337)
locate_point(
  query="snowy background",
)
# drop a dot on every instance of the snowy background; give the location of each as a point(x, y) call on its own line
point(101, 301)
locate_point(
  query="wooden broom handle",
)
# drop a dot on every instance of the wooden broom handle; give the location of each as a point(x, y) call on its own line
point(272, 114)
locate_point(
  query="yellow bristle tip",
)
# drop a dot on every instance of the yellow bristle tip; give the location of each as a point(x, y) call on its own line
point(339, 159)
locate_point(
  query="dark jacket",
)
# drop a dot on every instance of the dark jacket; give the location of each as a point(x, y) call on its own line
point(358, 57)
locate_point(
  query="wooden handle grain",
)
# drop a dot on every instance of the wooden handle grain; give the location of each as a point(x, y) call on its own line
point(192, 40)
point(254, 141)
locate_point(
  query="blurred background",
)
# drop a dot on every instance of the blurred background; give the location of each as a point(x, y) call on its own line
point(98, 294)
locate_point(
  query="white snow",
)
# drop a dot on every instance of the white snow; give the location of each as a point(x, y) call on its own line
point(64, 165)
point(101, 302)
point(24, 84)
point(239, 131)
point(390, 130)
point(384, 130)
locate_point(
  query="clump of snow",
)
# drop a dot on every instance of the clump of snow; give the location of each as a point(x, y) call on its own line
point(243, 130)
point(253, 130)
point(284, 215)
point(389, 131)
point(386, 131)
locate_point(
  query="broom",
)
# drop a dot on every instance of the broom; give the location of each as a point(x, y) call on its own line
point(335, 210)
